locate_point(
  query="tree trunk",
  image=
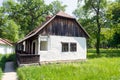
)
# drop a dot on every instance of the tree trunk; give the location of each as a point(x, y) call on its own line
point(98, 33)
point(98, 41)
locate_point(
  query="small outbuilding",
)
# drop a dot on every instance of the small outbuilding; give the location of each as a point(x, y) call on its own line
point(60, 38)
point(6, 47)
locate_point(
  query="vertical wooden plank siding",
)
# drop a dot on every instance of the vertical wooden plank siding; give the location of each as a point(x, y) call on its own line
point(63, 27)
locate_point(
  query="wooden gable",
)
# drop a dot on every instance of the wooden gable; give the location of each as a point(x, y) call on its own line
point(63, 26)
point(60, 24)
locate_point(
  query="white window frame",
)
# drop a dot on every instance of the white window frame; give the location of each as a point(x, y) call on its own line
point(46, 46)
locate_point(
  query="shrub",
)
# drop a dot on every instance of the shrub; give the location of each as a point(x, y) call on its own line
point(10, 57)
point(5, 58)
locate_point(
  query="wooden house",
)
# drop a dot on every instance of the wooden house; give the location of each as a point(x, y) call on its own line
point(60, 38)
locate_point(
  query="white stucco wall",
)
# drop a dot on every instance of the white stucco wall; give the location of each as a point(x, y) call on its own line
point(5, 49)
point(54, 51)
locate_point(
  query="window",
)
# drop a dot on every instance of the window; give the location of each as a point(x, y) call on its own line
point(73, 47)
point(43, 45)
point(65, 47)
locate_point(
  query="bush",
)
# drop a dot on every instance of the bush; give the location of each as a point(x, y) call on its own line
point(10, 57)
point(5, 58)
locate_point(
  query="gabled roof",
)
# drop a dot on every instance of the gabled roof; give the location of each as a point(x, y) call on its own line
point(5, 42)
point(36, 30)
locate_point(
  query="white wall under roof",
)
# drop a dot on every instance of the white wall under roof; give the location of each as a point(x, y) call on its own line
point(6, 49)
point(54, 51)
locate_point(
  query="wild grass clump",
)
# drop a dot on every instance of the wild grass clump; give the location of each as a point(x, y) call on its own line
point(93, 69)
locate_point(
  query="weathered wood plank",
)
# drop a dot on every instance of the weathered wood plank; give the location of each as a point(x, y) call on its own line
point(63, 27)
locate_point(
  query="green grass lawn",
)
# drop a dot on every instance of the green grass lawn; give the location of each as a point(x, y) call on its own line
point(92, 69)
point(95, 68)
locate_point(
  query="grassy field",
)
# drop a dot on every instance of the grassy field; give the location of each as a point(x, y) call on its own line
point(95, 68)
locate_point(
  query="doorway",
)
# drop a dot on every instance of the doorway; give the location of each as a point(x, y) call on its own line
point(33, 47)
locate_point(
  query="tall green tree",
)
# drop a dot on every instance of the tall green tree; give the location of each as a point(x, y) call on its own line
point(96, 9)
point(113, 15)
point(57, 6)
point(87, 22)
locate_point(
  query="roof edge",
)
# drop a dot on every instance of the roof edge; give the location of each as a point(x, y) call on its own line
point(82, 28)
point(37, 30)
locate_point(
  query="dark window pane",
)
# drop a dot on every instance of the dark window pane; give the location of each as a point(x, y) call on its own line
point(73, 47)
point(64, 47)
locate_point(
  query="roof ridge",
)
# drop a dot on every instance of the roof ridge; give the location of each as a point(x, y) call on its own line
point(63, 14)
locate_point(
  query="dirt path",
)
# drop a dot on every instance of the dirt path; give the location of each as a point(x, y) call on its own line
point(9, 72)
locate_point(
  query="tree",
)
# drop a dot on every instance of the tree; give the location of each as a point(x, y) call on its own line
point(116, 40)
point(3, 19)
point(26, 13)
point(57, 6)
point(113, 12)
point(10, 31)
point(96, 10)
point(113, 15)
point(87, 22)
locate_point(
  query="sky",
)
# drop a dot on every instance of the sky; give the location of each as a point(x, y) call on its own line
point(71, 4)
